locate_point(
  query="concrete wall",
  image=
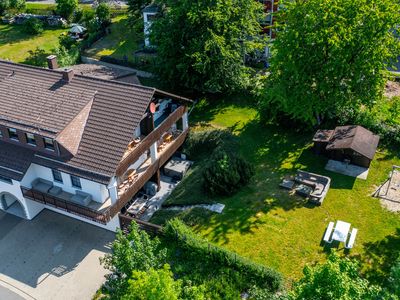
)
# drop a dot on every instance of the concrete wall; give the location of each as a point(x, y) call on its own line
point(98, 191)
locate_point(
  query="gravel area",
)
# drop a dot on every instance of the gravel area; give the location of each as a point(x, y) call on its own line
point(390, 195)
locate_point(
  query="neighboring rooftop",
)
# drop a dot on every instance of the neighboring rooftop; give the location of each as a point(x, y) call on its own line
point(106, 73)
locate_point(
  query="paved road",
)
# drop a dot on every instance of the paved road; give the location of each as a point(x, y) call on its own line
point(6, 294)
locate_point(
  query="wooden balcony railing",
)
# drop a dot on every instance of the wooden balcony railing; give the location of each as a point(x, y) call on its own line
point(105, 216)
point(150, 139)
point(146, 175)
point(73, 208)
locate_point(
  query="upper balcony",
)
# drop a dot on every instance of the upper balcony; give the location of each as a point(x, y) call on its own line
point(139, 146)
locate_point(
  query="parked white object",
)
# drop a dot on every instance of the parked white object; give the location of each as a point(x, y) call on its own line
point(341, 231)
point(352, 238)
point(328, 233)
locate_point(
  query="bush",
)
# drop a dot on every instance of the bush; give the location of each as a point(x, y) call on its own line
point(200, 249)
point(66, 41)
point(226, 173)
point(33, 26)
point(37, 57)
point(67, 57)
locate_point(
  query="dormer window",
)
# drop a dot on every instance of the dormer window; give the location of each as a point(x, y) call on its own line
point(49, 144)
point(30, 139)
point(12, 133)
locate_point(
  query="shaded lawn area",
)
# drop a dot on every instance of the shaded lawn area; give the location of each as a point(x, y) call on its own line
point(271, 227)
point(122, 41)
point(15, 43)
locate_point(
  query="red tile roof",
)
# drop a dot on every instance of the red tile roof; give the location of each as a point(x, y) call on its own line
point(38, 100)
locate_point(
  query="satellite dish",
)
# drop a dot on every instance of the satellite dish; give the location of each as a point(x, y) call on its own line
point(152, 107)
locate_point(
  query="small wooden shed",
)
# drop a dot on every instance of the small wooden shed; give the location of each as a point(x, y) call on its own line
point(353, 144)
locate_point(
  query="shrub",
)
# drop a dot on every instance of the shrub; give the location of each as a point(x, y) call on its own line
point(226, 173)
point(66, 41)
point(33, 26)
point(67, 57)
point(37, 57)
point(200, 249)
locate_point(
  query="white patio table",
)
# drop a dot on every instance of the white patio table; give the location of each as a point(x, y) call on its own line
point(341, 231)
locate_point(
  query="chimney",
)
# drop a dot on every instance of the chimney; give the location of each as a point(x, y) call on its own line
point(52, 62)
point(68, 74)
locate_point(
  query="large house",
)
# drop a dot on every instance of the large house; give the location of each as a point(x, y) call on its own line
point(81, 146)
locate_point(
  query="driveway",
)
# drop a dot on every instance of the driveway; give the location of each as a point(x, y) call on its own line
point(50, 257)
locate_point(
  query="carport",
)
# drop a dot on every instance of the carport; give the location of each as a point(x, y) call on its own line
point(10, 204)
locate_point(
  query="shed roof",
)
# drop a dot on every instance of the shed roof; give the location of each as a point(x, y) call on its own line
point(356, 138)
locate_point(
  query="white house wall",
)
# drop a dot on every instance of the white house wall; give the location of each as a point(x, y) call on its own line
point(112, 225)
point(31, 208)
point(98, 191)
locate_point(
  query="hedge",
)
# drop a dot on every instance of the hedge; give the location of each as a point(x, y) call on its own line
point(257, 274)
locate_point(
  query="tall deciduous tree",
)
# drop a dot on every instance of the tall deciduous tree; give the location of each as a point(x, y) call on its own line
point(133, 252)
point(201, 44)
point(135, 7)
point(15, 5)
point(337, 279)
point(329, 56)
point(66, 8)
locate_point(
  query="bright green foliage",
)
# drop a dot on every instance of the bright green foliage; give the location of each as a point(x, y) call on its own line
point(337, 279)
point(329, 57)
point(33, 26)
point(206, 42)
point(66, 8)
point(103, 14)
point(153, 285)
point(14, 5)
point(135, 7)
point(133, 252)
point(67, 57)
point(394, 279)
point(237, 271)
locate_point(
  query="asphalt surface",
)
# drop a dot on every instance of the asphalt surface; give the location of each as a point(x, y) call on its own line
point(6, 294)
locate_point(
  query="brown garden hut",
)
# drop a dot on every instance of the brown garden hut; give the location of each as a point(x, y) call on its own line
point(353, 144)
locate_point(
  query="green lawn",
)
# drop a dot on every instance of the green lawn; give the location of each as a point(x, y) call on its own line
point(269, 226)
point(122, 41)
point(15, 43)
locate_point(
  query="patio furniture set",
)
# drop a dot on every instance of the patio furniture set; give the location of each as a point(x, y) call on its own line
point(137, 206)
point(340, 233)
point(312, 186)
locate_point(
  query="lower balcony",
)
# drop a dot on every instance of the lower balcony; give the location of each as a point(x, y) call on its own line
point(80, 203)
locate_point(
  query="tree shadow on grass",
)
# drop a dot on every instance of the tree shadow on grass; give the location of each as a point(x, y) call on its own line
point(274, 153)
point(380, 256)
